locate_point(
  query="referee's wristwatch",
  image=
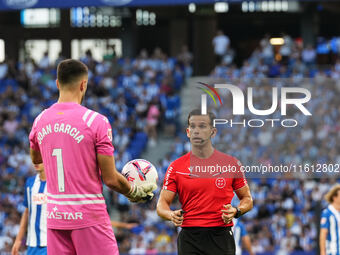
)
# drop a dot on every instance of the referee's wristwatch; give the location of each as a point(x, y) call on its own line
point(238, 213)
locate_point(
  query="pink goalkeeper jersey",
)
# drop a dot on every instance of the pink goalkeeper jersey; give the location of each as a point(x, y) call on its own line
point(68, 137)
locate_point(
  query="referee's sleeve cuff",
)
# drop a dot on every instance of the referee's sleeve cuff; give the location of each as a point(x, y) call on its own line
point(166, 188)
point(241, 187)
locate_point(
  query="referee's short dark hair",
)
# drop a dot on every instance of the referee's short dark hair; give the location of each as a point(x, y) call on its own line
point(198, 112)
point(70, 70)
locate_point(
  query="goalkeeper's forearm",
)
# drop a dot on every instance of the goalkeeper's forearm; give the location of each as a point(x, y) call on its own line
point(111, 177)
point(120, 184)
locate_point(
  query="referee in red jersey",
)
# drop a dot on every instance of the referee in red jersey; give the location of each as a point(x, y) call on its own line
point(206, 214)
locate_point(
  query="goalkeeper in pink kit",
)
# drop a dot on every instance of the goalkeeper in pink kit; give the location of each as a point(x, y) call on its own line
point(75, 145)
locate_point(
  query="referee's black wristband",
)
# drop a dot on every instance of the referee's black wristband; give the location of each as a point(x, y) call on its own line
point(238, 213)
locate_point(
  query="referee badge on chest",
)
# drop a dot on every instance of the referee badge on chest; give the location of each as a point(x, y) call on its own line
point(220, 182)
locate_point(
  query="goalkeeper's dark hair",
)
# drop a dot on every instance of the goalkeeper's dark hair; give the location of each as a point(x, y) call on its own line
point(198, 112)
point(70, 71)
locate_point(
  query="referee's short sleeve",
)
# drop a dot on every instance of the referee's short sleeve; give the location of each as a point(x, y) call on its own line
point(239, 180)
point(169, 182)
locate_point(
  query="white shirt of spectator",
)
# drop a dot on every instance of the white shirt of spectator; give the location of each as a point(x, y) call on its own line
point(265, 138)
point(308, 55)
point(148, 235)
point(108, 82)
point(286, 49)
point(267, 51)
point(137, 251)
point(3, 70)
point(44, 62)
point(152, 90)
point(221, 44)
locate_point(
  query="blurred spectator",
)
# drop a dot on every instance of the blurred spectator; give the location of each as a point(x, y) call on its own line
point(171, 103)
point(286, 48)
point(59, 59)
point(221, 45)
point(3, 70)
point(11, 124)
point(309, 56)
point(185, 59)
point(151, 249)
point(45, 61)
point(288, 244)
point(267, 50)
point(139, 247)
point(322, 50)
point(152, 122)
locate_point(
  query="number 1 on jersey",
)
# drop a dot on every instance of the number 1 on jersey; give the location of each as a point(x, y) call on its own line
point(60, 169)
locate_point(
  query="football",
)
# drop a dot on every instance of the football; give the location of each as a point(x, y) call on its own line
point(140, 171)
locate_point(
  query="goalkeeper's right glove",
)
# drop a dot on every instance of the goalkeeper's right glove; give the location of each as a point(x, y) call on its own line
point(141, 193)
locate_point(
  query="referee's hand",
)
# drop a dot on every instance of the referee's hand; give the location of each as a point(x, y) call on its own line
point(228, 213)
point(176, 217)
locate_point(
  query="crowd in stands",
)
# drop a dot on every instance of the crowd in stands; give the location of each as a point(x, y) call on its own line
point(136, 94)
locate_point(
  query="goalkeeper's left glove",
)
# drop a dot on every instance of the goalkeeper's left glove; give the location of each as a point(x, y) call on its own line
point(141, 193)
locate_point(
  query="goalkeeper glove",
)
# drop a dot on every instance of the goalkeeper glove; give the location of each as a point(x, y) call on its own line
point(141, 193)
